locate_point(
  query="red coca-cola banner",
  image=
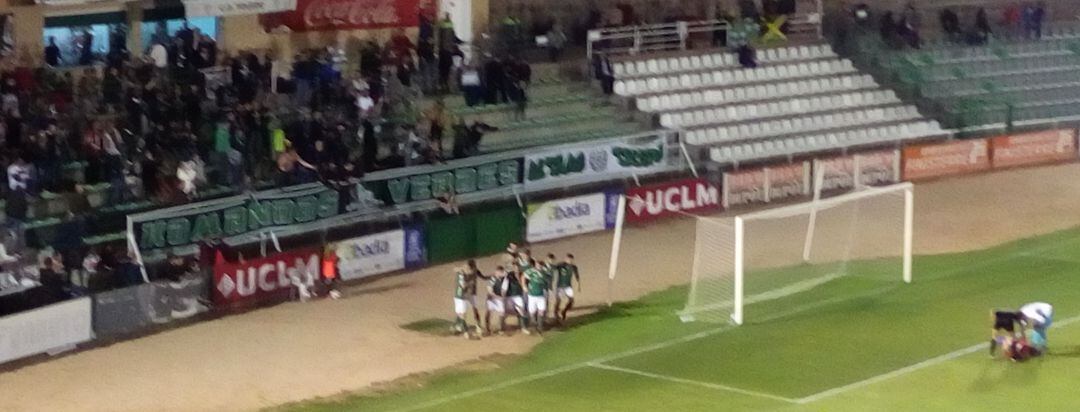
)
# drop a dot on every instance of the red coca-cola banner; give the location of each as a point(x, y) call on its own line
point(266, 280)
point(316, 15)
point(670, 198)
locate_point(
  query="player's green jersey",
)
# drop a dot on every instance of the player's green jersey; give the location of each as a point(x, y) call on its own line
point(495, 285)
point(566, 274)
point(466, 284)
point(513, 286)
point(537, 282)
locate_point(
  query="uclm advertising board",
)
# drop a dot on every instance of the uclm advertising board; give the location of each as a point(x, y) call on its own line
point(671, 198)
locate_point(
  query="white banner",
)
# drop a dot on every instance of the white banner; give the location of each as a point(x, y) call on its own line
point(215, 8)
point(640, 155)
point(566, 217)
point(375, 254)
point(52, 328)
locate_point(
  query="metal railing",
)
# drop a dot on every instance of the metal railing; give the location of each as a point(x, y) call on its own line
point(631, 40)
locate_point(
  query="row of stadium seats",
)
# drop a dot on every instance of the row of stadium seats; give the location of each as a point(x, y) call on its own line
point(1012, 82)
point(1030, 93)
point(745, 112)
point(731, 77)
point(976, 54)
point(801, 125)
point(794, 145)
point(718, 96)
point(715, 60)
point(1001, 68)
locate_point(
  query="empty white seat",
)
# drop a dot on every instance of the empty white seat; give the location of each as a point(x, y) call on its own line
point(782, 53)
point(652, 66)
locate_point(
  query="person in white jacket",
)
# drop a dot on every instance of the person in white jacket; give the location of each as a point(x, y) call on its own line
point(187, 174)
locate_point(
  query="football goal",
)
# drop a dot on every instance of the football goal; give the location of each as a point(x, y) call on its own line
point(803, 252)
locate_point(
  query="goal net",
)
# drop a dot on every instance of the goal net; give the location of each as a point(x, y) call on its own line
point(800, 255)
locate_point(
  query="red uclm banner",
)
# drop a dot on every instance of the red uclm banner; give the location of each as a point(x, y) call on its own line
point(264, 280)
point(671, 198)
point(315, 15)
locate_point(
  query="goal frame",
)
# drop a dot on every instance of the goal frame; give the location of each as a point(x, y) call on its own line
point(907, 188)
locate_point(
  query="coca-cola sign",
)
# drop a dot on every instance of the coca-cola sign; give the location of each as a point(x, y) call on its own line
point(312, 15)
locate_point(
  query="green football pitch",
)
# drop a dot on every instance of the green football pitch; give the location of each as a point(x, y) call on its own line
point(857, 343)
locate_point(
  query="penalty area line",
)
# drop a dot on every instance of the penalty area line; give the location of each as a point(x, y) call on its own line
point(709, 385)
point(911, 368)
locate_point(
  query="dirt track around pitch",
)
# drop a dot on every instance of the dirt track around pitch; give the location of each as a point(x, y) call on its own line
point(294, 351)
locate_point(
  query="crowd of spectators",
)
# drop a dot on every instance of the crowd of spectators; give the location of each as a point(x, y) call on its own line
point(183, 120)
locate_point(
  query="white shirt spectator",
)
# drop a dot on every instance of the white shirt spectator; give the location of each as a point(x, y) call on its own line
point(109, 142)
point(160, 55)
point(18, 176)
point(186, 173)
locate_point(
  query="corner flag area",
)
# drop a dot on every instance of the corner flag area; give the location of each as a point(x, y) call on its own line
point(854, 343)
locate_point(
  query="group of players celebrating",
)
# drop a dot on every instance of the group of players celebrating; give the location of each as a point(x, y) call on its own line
point(521, 286)
point(1026, 341)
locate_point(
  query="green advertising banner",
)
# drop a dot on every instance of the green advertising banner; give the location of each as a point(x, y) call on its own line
point(433, 181)
point(641, 155)
point(232, 216)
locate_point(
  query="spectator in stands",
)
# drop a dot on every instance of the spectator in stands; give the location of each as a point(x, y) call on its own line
point(1033, 18)
point(52, 53)
point(438, 121)
point(472, 86)
point(175, 268)
point(68, 241)
point(604, 73)
point(982, 27)
point(950, 24)
point(52, 277)
point(16, 206)
point(747, 56)
point(910, 26)
point(495, 81)
point(467, 138)
point(748, 9)
point(18, 174)
point(187, 175)
point(888, 28)
point(447, 61)
point(520, 77)
point(556, 42)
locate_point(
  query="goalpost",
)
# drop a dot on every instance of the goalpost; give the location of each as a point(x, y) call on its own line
point(857, 240)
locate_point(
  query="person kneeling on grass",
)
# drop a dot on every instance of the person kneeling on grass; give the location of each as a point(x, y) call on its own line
point(1005, 322)
point(1038, 316)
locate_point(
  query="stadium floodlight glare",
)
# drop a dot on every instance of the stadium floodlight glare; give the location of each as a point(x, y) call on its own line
point(862, 238)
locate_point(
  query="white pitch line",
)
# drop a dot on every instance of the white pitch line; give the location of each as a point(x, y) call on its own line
point(911, 368)
point(703, 334)
point(637, 351)
point(693, 382)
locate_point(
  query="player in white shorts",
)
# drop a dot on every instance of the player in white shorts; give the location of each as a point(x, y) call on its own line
point(465, 297)
point(496, 300)
point(565, 274)
point(536, 282)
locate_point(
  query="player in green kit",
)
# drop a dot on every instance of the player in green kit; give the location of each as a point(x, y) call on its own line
point(549, 268)
point(565, 274)
point(465, 297)
point(537, 284)
point(515, 296)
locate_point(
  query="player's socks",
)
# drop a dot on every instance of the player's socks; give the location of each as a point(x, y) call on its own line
point(993, 346)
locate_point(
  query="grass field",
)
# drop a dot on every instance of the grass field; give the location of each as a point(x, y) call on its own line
point(859, 343)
